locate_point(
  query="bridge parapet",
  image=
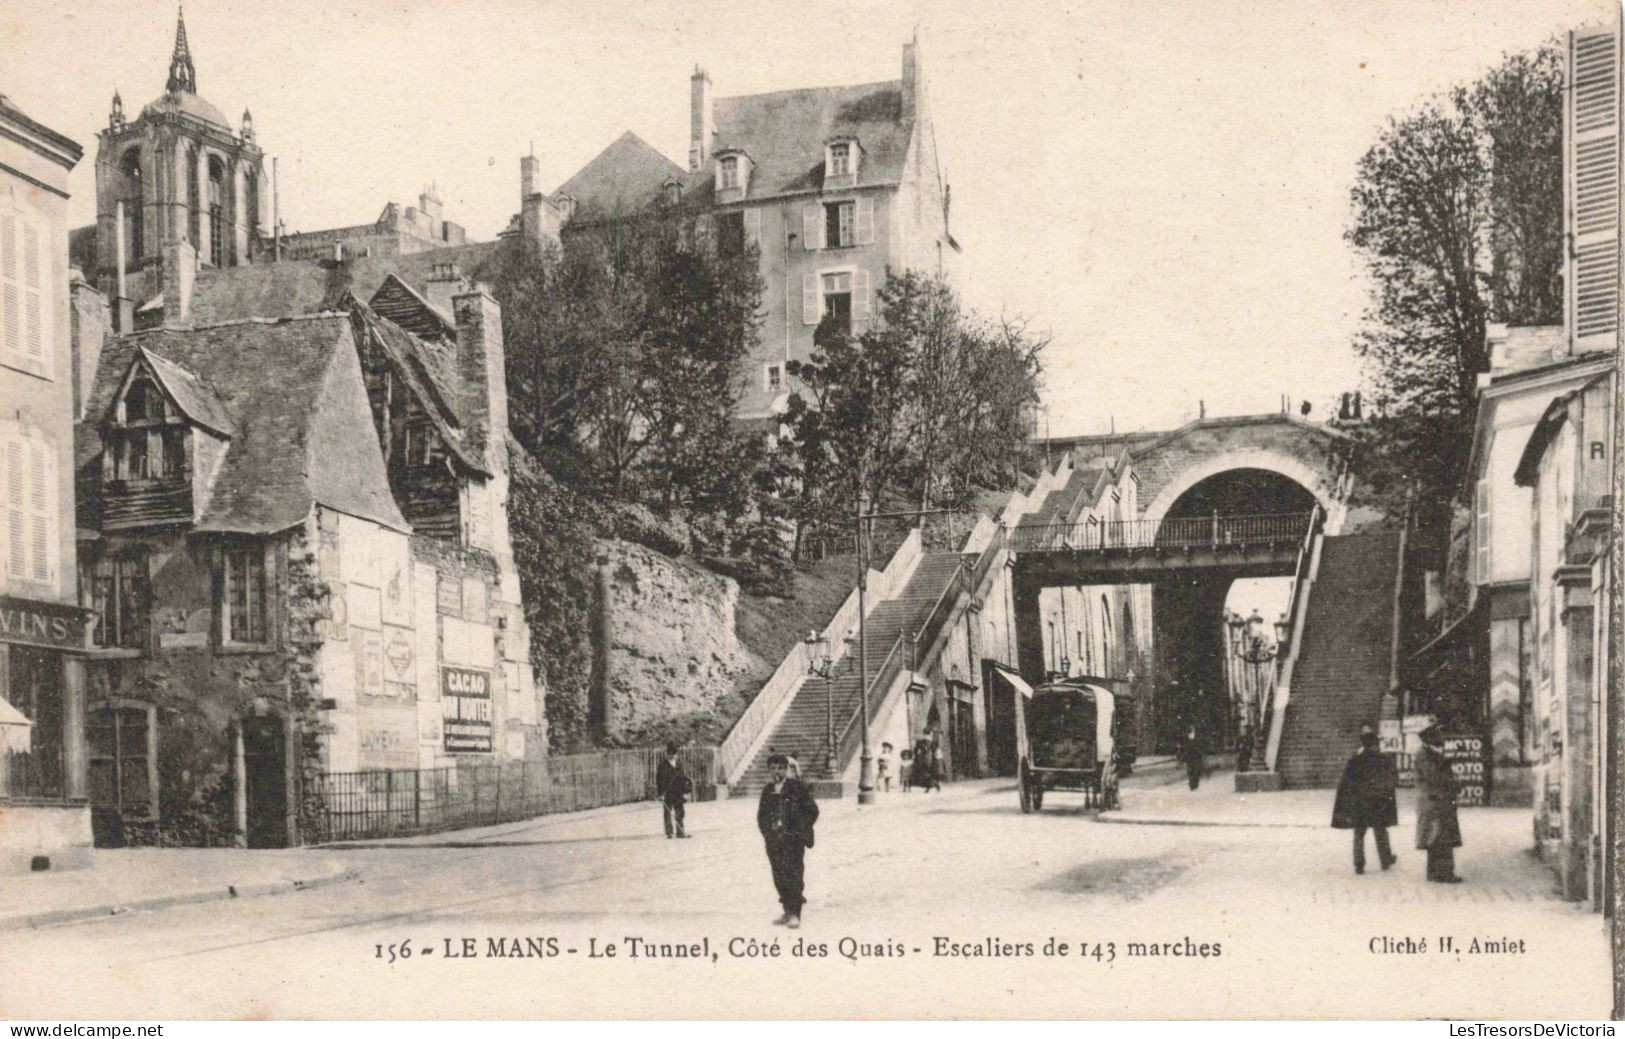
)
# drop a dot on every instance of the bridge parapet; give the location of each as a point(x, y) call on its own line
point(1181, 533)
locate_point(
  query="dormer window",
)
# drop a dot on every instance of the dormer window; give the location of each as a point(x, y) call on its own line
point(733, 174)
point(144, 443)
point(840, 159)
point(728, 175)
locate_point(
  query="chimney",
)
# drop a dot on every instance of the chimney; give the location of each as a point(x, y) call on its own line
point(180, 267)
point(446, 283)
point(480, 362)
point(702, 127)
point(911, 78)
point(528, 168)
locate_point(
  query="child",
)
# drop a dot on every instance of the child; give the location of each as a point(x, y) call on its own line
point(883, 768)
point(905, 771)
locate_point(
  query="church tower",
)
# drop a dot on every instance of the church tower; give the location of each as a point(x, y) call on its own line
point(176, 173)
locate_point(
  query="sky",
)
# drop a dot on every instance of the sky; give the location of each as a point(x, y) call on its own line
point(1160, 187)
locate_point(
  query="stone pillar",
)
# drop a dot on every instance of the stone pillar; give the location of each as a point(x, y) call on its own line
point(75, 758)
point(204, 231)
point(1578, 763)
point(1029, 631)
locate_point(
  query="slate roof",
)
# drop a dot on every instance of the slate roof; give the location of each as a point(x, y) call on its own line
point(623, 178)
point(784, 133)
point(301, 426)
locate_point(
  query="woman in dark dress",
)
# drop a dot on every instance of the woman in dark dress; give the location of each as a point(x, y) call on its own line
point(1365, 799)
point(1437, 831)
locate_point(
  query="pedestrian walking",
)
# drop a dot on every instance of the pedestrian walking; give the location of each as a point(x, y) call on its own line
point(1191, 753)
point(785, 816)
point(925, 765)
point(1437, 831)
point(672, 786)
point(883, 768)
point(1365, 799)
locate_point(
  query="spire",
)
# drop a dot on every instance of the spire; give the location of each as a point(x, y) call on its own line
point(182, 76)
point(115, 118)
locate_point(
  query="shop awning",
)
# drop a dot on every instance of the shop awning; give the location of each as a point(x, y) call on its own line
point(16, 731)
point(1016, 681)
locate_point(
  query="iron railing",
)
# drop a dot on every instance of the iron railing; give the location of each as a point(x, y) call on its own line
point(1286, 656)
point(1180, 532)
point(403, 802)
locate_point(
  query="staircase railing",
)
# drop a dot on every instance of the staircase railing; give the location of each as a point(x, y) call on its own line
point(890, 667)
point(1179, 532)
point(938, 616)
point(1280, 691)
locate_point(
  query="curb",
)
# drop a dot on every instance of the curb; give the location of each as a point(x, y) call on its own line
point(1142, 821)
point(28, 921)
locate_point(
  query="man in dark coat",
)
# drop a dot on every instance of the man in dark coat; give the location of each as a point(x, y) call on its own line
point(1365, 799)
point(672, 786)
point(1194, 757)
point(786, 816)
point(1437, 830)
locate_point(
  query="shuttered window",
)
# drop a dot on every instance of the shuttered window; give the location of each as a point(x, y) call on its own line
point(122, 745)
point(866, 221)
point(1593, 210)
point(25, 312)
point(30, 498)
point(812, 228)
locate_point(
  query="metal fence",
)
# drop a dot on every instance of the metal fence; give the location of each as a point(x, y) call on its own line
point(403, 802)
point(1183, 532)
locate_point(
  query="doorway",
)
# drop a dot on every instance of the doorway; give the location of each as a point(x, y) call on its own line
point(265, 775)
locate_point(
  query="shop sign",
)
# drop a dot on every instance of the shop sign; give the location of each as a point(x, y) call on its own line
point(24, 622)
point(1465, 752)
point(465, 698)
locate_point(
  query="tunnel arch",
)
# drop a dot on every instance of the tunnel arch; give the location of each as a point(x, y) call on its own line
point(1269, 461)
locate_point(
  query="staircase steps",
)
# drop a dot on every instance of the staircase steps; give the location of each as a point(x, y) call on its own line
point(1344, 661)
point(801, 730)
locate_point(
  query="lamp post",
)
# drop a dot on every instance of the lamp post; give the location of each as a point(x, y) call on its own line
point(1252, 645)
point(821, 664)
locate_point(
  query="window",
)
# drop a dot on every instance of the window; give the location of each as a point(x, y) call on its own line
point(134, 203)
point(838, 299)
point(729, 172)
point(30, 498)
point(122, 759)
point(243, 599)
point(193, 199)
point(731, 234)
point(217, 212)
point(773, 378)
point(120, 595)
point(147, 454)
point(25, 296)
point(839, 220)
point(840, 160)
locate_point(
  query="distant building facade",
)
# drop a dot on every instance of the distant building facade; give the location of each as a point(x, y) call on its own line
point(398, 231)
point(43, 754)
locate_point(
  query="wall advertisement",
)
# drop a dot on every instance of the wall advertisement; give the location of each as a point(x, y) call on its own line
point(465, 697)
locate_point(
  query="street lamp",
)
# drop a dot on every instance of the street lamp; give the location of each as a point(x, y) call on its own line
point(821, 664)
point(1251, 644)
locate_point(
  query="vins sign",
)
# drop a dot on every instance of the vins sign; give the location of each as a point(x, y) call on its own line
point(1466, 756)
point(465, 697)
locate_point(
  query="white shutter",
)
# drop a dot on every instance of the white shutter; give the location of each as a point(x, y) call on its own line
point(33, 292)
point(812, 227)
point(11, 290)
point(1481, 532)
point(1593, 210)
point(41, 511)
point(809, 299)
point(753, 227)
point(866, 220)
point(860, 295)
point(16, 504)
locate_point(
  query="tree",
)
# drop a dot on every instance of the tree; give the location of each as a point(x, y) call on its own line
point(1458, 216)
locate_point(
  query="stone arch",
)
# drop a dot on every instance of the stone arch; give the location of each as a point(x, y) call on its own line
point(1306, 476)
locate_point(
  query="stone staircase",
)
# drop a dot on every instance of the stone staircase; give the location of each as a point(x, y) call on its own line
point(800, 731)
point(1345, 658)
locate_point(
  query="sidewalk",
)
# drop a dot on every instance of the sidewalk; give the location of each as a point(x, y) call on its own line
point(133, 879)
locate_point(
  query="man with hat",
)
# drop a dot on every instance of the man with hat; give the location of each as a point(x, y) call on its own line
point(1437, 831)
point(672, 786)
point(785, 816)
point(1365, 799)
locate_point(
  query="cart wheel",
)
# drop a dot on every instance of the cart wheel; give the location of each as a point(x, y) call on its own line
point(1109, 785)
point(1026, 791)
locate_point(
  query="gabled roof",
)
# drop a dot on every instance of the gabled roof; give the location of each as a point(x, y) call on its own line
point(301, 426)
point(623, 178)
point(784, 133)
point(195, 400)
point(407, 308)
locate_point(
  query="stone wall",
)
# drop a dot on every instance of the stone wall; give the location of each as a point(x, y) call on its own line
point(670, 651)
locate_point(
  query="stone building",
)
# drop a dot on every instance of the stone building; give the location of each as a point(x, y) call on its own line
point(834, 186)
point(178, 171)
point(398, 231)
point(299, 559)
point(42, 676)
